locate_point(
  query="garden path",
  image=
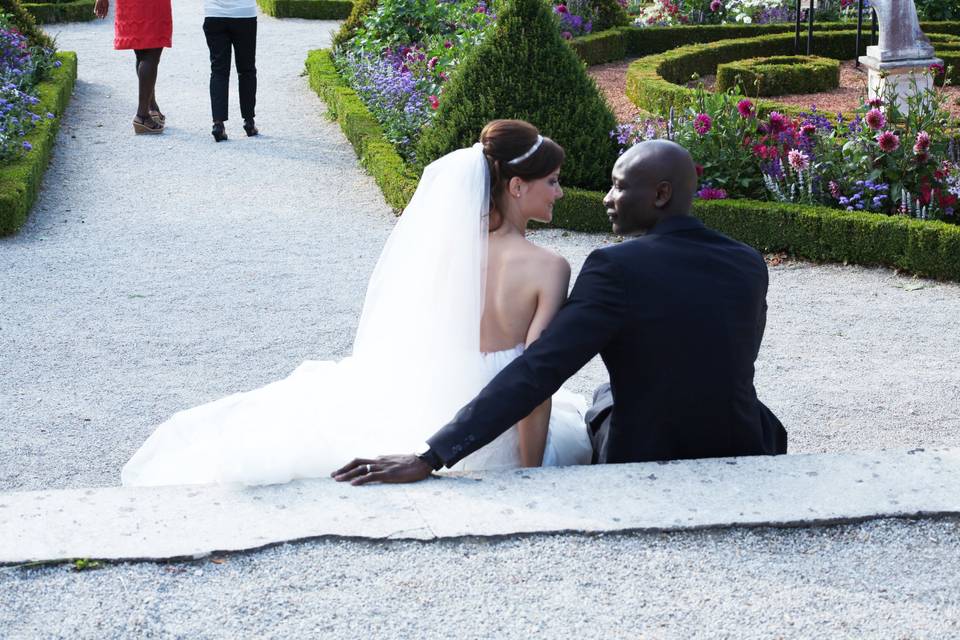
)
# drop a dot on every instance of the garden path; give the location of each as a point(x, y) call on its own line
point(156, 273)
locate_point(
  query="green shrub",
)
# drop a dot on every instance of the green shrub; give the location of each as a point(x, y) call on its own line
point(50, 12)
point(525, 70)
point(632, 41)
point(309, 9)
point(20, 180)
point(24, 22)
point(779, 75)
point(657, 83)
point(354, 21)
point(609, 14)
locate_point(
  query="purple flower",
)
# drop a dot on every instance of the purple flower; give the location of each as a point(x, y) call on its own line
point(745, 108)
point(702, 123)
point(27, 146)
point(716, 5)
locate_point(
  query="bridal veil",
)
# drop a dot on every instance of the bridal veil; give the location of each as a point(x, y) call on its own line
point(415, 362)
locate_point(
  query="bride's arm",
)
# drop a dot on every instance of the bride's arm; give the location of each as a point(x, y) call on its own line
point(551, 296)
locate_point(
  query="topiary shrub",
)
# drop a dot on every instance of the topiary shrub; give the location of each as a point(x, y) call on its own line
point(353, 22)
point(525, 70)
point(24, 22)
point(779, 75)
point(609, 14)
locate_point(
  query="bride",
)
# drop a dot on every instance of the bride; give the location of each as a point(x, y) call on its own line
point(457, 294)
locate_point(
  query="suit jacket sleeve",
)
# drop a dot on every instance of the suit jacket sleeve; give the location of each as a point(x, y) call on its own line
point(588, 321)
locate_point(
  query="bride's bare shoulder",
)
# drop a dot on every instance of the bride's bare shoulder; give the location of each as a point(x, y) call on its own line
point(545, 265)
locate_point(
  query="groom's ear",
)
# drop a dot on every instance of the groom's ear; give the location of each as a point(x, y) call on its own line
point(663, 194)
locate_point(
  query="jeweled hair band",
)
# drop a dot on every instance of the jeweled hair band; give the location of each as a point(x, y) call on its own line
point(529, 153)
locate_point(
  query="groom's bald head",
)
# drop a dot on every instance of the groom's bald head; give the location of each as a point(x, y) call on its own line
point(651, 180)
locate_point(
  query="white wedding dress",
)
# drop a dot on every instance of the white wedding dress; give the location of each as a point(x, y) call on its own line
point(416, 360)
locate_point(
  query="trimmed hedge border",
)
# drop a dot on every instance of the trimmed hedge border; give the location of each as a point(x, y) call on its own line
point(926, 248)
point(395, 179)
point(310, 9)
point(56, 11)
point(20, 180)
point(622, 42)
point(654, 83)
point(779, 75)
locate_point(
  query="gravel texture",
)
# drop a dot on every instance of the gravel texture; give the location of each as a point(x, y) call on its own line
point(886, 579)
point(158, 273)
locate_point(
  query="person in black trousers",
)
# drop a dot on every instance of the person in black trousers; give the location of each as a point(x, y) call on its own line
point(232, 25)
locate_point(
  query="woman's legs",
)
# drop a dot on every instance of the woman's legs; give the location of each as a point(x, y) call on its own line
point(147, 62)
point(218, 42)
point(244, 36)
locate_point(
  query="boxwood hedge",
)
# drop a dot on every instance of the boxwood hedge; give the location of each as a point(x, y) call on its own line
point(310, 9)
point(20, 180)
point(779, 75)
point(60, 10)
point(657, 83)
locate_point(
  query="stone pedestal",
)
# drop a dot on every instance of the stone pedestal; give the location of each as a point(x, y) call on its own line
point(893, 81)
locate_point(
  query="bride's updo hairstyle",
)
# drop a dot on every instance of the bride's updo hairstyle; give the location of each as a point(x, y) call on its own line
point(515, 149)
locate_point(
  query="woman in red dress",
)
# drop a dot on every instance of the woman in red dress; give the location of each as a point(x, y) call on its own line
point(146, 26)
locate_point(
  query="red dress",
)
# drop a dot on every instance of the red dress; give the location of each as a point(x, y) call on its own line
point(142, 24)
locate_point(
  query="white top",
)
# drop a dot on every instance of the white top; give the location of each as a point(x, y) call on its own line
point(230, 8)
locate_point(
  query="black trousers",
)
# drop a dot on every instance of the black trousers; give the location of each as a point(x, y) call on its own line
point(240, 34)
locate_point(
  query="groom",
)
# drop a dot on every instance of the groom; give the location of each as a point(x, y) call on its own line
point(677, 315)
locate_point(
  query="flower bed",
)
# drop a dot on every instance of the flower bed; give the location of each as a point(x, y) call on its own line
point(21, 175)
point(310, 9)
point(61, 10)
point(813, 232)
point(779, 75)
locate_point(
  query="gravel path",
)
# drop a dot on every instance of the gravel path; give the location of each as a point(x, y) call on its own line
point(158, 273)
point(886, 579)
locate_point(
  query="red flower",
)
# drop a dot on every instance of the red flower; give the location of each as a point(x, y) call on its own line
point(699, 168)
point(434, 102)
point(745, 108)
point(561, 8)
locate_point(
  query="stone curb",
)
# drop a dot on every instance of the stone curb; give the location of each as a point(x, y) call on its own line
point(181, 522)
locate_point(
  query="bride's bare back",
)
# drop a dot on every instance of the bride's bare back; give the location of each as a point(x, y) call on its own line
point(526, 285)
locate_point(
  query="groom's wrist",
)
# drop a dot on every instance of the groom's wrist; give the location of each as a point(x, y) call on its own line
point(431, 458)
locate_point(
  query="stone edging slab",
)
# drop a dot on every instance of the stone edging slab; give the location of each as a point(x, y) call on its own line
point(175, 522)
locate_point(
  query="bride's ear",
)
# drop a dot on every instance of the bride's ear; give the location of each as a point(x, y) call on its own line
point(514, 186)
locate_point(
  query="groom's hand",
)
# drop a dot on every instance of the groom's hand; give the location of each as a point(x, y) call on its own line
point(393, 469)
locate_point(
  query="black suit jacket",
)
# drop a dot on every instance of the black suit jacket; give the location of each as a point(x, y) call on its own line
point(677, 316)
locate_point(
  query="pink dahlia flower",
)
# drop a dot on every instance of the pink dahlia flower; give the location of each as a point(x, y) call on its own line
point(712, 193)
point(777, 122)
point(875, 119)
point(702, 123)
point(798, 160)
point(888, 141)
point(745, 108)
point(923, 142)
point(716, 5)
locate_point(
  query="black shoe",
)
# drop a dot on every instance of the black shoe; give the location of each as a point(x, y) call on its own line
point(250, 128)
point(219, 132)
